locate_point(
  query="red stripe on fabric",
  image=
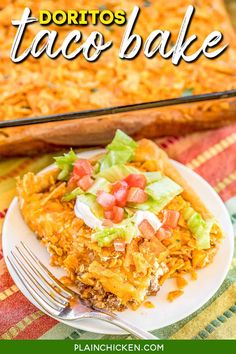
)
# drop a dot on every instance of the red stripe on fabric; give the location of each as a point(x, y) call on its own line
point(219, 166)
point(37, 328)
point(204, 142)
point(13, 310)
point(166, 142)
point(3, 213)
point(5, 278)
point(228, 192)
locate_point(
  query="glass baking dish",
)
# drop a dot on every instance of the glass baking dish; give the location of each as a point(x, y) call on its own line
point(173, 117)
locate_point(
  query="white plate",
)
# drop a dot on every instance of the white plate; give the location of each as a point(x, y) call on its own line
point(164, 313)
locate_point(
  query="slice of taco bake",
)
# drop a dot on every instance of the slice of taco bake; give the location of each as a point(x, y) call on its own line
point(120, 223)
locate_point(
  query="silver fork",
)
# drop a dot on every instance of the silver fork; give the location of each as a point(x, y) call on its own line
point(55, 298)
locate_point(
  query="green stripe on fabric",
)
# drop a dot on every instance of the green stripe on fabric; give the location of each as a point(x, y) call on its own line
point(173, 329)
point(62, 331)
point(59, 331)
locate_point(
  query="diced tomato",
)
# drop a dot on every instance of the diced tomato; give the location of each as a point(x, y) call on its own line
point(136, 195)
point(108, 214)
point(107, 223)
point(119, 185)
point(136, 180)
point(119, 245)
point(82, 168)
point(120, 192)
point(72, 183)
point(146, 229)
point(121, 197)
point(106, 200)
point(118, 214)
point(171, 218)
point(85, 182)
point(163, 233)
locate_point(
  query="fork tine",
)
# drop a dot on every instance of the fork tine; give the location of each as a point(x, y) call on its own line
point(54, 303)
point(37, 297)
point(68, 292)
point(59, 296)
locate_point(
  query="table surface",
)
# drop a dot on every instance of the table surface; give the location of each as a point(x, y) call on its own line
point(203, 152)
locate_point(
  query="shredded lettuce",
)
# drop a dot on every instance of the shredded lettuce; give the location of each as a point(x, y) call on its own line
point(150, 205)
point(96, 168)
point(65, 164)
point(114, 157)
point(99, 184)
point(72, 195)
point(120, 151)
point(129, 211)
point(126, 230)
point(200, 228)
point(122, 141)
point(152, 177)
point(129, 228)
point(90, 200)
point(160, 189)
point(161, 193)
point(117, 172)
point(106, 236)
point(188, 212)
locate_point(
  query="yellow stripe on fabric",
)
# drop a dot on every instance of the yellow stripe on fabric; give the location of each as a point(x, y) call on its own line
point(216, 309)
point(212, 151)
point(6, 197)
point(225, 182)
point(227, 331)
point(8, 166)
point(26, 321)
point(12, 332)
point(8, 292)
point(39, 163)
point(9, 183)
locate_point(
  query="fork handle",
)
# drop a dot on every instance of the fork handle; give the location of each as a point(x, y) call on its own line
point(114, 319)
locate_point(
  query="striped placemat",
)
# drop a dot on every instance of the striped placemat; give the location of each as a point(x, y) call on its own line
point(212, 154)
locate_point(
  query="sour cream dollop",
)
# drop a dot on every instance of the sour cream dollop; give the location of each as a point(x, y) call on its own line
point(153, 220)
point(83, 211)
